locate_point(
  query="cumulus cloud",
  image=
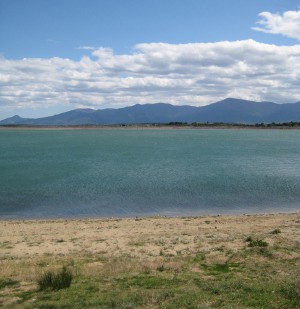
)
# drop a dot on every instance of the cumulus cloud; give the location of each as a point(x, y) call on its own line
point(287, 24)
point(196, 74)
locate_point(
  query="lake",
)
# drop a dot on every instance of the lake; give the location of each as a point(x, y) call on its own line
point(138, 172)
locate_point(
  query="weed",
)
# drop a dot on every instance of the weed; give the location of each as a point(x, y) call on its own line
point(71, 262)
point(265, 252)
point(258, 243)
point(184, 241)
point(42, 263)
point(200, 256)
point(276, 231)
point(160, 242)
point(160, 268)
point(229, 252)
point(175, 241)
point(220, 249)
point(249, 239)
point(6, 245)
point(55, 280)
point(137, 243)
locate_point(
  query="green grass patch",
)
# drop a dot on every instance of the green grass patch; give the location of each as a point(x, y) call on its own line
point(4, 282)
point(291, 291)
point(199, 257)
point(146, 282)
point(220, 268)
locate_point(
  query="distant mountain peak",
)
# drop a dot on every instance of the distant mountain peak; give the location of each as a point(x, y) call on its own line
point(16, 117)
point(235, 100)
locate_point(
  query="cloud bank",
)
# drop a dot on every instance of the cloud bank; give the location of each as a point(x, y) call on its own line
point(195, 74)
point(287, 24)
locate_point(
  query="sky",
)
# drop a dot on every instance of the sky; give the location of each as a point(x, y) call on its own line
point(58, 55)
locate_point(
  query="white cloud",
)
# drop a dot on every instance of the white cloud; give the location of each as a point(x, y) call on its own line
point(196, 74)
point(87, 47)
point(287, 24)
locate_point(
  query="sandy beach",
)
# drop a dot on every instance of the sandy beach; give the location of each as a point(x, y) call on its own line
point(143, 237)
point(111, 247)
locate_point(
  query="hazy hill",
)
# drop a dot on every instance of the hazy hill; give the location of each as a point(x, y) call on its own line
point(227, 111)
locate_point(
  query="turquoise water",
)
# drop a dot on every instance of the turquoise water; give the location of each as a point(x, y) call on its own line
point(119, 173)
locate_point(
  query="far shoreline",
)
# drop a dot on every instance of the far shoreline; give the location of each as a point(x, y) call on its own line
point(153, 127)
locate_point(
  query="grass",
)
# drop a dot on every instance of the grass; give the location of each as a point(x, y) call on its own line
point(291, 290)
point(220, 267)
point(6, 282)
point(180, 282)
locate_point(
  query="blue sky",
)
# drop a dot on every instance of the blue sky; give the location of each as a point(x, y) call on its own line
point(56, 55)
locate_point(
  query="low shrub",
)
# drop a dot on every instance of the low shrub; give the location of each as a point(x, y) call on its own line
point(249, 238)
point(51, 280)
point(258, 243)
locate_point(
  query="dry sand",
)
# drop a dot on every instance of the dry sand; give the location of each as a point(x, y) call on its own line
point(141, 237)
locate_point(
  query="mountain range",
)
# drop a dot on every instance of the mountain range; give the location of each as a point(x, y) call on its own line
point(227, 111)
